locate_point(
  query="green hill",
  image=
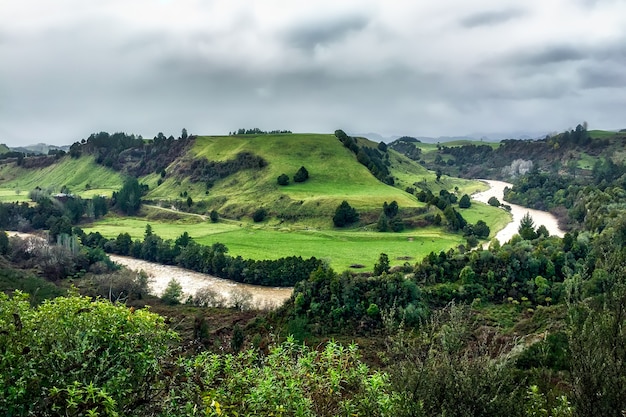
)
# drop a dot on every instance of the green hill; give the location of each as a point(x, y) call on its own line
point(4, 149)
point(334, 176)
point(299, 215)
point(82, 176)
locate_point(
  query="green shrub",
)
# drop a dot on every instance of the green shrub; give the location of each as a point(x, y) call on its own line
point(259, 215)
point(173, 292)
point(283, 179)
point(301, 176)
point(292, 380)
point(72, 345)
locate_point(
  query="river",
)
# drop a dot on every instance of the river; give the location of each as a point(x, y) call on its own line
point(272, 297)
point(518, 212)
point(190, 281)
point(265, 297)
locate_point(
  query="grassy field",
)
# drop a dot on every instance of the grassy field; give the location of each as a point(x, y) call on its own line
point(602, 134)
point(10, 195)
point(341, 248)
point(496, 218)
point(586, 161)
point(82, 176)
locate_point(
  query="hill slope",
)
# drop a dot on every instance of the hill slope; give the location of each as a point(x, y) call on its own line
point(82, 176)
point(334, 176)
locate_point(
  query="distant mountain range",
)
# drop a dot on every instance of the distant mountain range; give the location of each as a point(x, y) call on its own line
point(489, 137)
point(39, 148)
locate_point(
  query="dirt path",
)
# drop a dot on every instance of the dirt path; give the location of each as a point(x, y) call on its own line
point(173, 210)
point(518, 212)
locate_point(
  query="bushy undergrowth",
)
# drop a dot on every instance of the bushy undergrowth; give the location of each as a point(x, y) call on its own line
point(71, 355)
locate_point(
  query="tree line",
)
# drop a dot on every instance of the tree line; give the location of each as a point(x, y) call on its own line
point(375, 160)
point(213, 260)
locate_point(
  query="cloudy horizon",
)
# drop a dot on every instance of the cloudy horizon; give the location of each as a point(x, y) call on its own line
point(448, 68)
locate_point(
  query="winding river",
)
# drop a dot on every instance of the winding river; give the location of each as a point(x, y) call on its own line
point(518, 212)
point(268, 297)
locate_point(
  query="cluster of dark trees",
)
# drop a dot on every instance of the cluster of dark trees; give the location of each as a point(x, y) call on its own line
point(300, 176)
point(61, 258)
point(345, 215)
point(56, 215)
point(482, 161)
point(132, 154)
point(214, 259)
point(579, 202)
point(455, 221)
point(257, 131)
point(330, 302)
point(128, 198)
point(525, 272)
point(389, 218)
point(203, 170)
point(406, 146)
point(376, 160)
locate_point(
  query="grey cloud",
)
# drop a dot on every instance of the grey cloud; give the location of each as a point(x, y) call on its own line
point(604, 76)
point(325, 31)
point(96, 71)
point(491, 18)
point(551, 55)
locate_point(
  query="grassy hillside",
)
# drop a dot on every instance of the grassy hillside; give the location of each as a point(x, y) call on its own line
point(82, 176)
point(300, 215)
point(4, 148)
point(334, 175)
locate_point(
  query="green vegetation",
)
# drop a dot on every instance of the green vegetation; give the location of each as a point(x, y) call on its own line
point(81, 176)
point(341, 248)
point(73, 355)
point(533, 326)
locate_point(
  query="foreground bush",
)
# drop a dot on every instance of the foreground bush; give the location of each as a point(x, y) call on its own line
point(292, 380)
point(72, 356)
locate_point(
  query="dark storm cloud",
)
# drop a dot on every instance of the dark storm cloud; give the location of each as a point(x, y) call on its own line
point(490, 18)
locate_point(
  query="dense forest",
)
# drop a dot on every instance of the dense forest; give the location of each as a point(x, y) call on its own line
point(529, 327)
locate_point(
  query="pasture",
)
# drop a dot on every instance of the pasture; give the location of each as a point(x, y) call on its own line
point(341, 248)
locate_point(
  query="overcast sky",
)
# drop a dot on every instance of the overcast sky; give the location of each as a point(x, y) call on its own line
point(421, 68)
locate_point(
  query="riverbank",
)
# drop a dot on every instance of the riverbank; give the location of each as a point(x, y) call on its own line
point(518, 212)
